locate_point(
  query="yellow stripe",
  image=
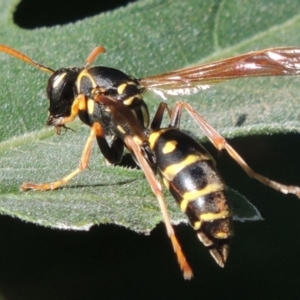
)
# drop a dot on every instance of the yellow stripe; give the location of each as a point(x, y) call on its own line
point(121, 88)
point(153, 137)
point(85, 73)
point(128, 101)
point(169, 147)
point(131, 99)
point(193, 195)
point(208, 217)
point(131, 83)
point(166, 183)
point(197, 225)
point(121, 129)
point(171, 171)
point(222, 235)
point(211, 217)
point(215, 216)
point(80, 101)
point(145, 116)
point(91, 105)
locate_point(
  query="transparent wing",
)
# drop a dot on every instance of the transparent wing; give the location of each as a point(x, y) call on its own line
point(267, 62)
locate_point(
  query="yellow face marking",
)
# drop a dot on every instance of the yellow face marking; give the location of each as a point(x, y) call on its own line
point(58, 79)
point(169, 147)
point(193, 195)
point(171, 171)
point(121, 88)
point(90, 106)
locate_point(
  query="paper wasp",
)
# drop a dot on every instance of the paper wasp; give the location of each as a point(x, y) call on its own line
point(111, 103)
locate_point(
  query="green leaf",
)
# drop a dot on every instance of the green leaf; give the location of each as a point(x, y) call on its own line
point(145, 38)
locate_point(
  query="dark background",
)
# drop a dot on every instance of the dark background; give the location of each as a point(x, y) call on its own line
point(111, 262)
point(35, 13)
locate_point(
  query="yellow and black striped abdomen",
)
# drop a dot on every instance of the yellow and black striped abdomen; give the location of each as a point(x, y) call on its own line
point(188, 171)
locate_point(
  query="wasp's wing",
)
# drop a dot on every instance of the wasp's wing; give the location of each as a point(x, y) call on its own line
point(268, 62)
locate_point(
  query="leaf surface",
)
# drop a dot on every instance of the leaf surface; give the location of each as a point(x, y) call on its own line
point(144, 38)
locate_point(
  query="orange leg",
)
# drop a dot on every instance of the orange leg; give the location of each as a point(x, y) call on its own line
point(220, 143)
point(85, 157)
point(157, 190)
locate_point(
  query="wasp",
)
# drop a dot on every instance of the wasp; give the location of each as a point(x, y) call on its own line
point(111, 104)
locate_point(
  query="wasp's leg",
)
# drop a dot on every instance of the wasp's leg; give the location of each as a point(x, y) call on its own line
point(157, 119)
point(220, 143)
point(112, 153)
point(157, 190)
point(96, 130)
point(78, 106)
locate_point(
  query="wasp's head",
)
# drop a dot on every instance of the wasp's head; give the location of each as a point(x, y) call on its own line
point(61, 93)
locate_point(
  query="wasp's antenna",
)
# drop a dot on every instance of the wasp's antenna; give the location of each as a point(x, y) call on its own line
point(25, 58)
point(98, 50)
